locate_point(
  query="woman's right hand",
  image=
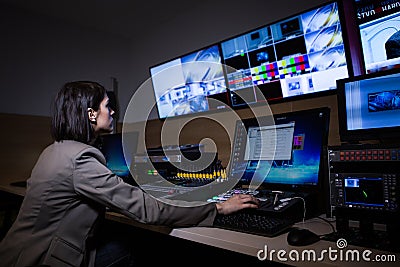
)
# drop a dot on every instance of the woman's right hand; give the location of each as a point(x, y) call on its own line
point(237, 202)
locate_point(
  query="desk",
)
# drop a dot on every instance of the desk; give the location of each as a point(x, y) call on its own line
point(250, 245)
point(6, 187)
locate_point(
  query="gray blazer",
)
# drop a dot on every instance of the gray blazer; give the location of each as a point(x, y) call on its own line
point(68, 190)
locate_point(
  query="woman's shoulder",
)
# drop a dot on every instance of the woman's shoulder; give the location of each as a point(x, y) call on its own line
point(69, 150)
point(73, 147)
point(71, 144)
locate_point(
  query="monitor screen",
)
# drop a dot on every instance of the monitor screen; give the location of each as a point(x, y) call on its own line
point(295, 57)
point(113, 150)
point(190, 84)
point(295, 161)
point(369, 106)
point(379, 25)
point(364, 191)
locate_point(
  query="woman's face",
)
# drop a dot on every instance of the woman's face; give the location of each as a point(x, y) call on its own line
point(103, 117)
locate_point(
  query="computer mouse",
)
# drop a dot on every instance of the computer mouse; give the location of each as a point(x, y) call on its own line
point(301, 237)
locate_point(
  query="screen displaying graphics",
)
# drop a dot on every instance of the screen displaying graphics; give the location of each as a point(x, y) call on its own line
point(383, 101)
point(113, 151)
point(294, 159)
point(283, 150)
point(369, 106)
point(186, 84)
point(364, 191)
point(379, 23)
point(300, 55)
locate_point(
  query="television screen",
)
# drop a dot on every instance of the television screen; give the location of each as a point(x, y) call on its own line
point(298, 56)
point(369, 106)
point(190, 84)
point(379, 25)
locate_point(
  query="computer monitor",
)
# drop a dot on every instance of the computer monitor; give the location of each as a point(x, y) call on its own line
point(190, 84)
point(297, 57)
point(296, 162)
point(369, 107)
point(112, 148)
point(379, 27)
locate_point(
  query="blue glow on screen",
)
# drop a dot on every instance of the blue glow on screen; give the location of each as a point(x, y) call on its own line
point(113, 151)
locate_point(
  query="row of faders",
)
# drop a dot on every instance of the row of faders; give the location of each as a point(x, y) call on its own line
point(200, 178)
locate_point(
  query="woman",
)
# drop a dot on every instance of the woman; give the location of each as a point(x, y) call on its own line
point(70, 188)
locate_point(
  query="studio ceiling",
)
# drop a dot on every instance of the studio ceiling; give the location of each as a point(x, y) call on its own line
point(122, 17)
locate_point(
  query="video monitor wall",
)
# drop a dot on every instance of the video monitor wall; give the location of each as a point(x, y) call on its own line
point(296, 57)
point(300, 55)
point(379, 25)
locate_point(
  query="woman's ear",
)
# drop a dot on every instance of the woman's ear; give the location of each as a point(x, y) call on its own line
point(92, 114)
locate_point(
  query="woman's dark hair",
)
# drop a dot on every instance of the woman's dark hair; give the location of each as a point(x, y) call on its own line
point(70, 111)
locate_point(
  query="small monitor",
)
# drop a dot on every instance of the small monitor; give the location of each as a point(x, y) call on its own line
point(364, 191)
point(379, 27)
point(369, 107)
point(294, 162)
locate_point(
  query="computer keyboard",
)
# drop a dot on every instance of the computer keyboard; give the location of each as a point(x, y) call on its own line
point(270, 219)
point(253, 223)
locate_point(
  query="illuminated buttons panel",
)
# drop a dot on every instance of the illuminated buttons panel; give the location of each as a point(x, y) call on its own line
point(366, 155)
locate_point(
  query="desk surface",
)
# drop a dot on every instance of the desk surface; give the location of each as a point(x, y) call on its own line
point(5, 185)
point(251, 245)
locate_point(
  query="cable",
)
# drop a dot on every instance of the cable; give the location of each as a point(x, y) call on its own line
point(329, 222)
point(318, 217)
